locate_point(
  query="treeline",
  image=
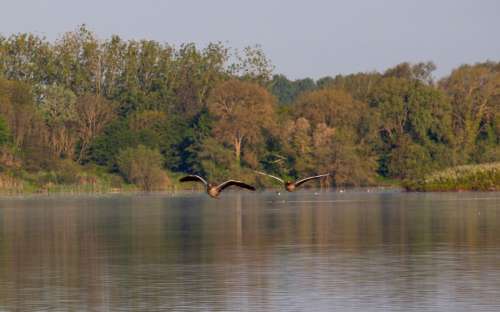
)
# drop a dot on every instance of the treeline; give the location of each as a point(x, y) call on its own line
point(133, 107)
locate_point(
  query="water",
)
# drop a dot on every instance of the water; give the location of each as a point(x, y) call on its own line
point(353, 251)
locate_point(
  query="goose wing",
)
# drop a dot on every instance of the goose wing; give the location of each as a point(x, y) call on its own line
point(193, 177)
point(299, 182)
point(237, 183)
point(271, 176)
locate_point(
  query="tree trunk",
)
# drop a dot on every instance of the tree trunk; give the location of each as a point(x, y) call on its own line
point(237, 150)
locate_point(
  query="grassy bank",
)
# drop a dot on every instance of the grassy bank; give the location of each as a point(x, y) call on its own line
point(72, 180)
point(484, 177)
point(75, 179)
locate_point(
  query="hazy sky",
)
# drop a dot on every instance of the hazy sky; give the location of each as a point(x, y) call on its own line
point(311, 38)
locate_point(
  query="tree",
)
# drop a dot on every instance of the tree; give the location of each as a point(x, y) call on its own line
point(421, 71)
point(411, 112)
point(359, 86)
point(183, 143)
point(335, 152)
point(320, 149)
point(300, 141)
point(283, 89)
point(475, 98)
point(94, 113)
point(28, 58)
point(142, 166)
point(409, 160)
point(241, 110)
point(105, 147)
point(253, 65)
point(286, 91)
point(333, 107)
point(196, 74)
point(59, 112)
point(78, 61)
point(217, 161)
point(18, 109)
point(334, 137)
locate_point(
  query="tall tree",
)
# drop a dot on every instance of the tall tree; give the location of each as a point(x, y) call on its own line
point(412, 112)
point(334, 142)
point(94, 113)
point(253, 65)
point(475, 97)
point(241, 110)
point(59, 112)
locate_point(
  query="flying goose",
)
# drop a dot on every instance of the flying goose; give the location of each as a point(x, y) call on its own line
point(291, 186)
point(214, 190)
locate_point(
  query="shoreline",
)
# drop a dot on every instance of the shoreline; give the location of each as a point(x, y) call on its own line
point(173, 193)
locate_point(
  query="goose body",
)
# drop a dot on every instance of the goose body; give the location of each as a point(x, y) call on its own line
point(290, 186)
point(214, 190)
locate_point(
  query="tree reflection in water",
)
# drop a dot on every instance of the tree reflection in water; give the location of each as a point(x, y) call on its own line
point(356, 250)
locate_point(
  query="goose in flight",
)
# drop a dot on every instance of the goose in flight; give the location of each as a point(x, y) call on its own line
point(214, 190)
point(291, 186)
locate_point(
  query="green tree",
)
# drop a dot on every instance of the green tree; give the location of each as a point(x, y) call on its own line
point(217, 161)
point(252, 64)
point(105, 147)
point(420, 72)
point(196, 74)
point(286, 91)
point(475, 98)
point(60, 115)
point(411, 112)
point(349, 164)
point(184, 143)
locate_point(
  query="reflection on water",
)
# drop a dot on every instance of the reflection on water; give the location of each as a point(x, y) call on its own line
point(258, 252)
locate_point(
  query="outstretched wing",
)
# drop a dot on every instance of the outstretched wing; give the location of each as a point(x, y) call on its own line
point(299, 182)
point(271, 176)
point(193, 177)
point(237, 183)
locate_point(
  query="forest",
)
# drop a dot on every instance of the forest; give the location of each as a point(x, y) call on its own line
point(83, 111)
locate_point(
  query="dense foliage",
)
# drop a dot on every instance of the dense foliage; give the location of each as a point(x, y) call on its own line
point(222, 113)
point(142, 166)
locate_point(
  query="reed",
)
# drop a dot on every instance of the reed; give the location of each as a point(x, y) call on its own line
point(483, 177)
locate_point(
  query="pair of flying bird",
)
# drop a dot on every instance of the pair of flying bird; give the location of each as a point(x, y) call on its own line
point(214, 190)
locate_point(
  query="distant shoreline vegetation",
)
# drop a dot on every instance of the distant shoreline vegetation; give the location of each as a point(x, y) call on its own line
point(88, 114)
point(484, 177)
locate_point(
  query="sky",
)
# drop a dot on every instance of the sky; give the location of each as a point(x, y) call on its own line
point(313, 38)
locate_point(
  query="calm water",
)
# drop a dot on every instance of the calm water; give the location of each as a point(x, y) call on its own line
point(384, 251)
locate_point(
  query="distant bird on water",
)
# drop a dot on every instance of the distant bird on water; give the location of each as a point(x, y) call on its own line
point(214, 190)
point(291, 186)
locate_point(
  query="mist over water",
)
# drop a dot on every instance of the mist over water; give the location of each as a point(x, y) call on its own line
point(353, 251)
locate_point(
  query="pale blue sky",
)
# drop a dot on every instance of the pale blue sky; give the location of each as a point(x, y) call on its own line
point(311, 38)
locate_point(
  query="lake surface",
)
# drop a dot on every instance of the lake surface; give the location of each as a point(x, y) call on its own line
point(329, 251)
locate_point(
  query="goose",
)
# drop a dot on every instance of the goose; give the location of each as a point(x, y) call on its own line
point(212, 189)
point(291, 186)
